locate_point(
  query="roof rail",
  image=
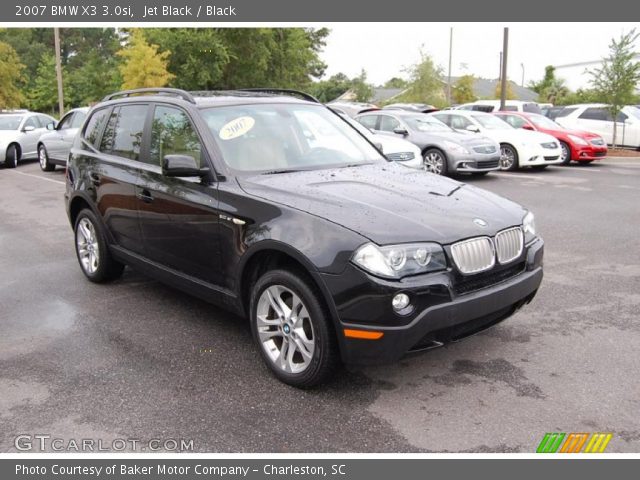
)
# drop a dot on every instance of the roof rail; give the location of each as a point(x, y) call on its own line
point(163, 91)
point(282, 91)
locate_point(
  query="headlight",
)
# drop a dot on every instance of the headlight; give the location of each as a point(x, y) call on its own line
point(397, 261)
point(578, 140)
point(455, 147)
point(529, 227)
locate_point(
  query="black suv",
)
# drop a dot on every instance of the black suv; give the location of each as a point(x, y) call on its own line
point(269, 204)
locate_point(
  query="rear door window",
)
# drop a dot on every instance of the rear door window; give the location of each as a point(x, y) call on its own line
point(594, 113)
point(95, 125)
point(565, 112)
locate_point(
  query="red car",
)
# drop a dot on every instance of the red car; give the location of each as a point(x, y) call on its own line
point(576, 145)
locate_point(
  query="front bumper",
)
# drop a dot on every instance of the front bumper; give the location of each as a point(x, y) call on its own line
point(535, 156)
point(474, 162)
point(589, 152)
point(442, 311)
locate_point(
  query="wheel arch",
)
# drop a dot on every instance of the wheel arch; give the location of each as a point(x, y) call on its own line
point(270, 254)
point(18, 148)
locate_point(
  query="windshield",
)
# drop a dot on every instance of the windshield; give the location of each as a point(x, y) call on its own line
point(544, 122)
point(491, 123)
point(426, 124)
point(10, 122)
point(283, 137)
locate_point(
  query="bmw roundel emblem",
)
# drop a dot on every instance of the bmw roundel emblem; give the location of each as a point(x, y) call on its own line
point(480, 222)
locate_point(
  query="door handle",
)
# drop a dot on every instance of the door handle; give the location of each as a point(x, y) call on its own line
point(145, 196)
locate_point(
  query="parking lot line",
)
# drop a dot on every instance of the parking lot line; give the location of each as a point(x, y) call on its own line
point(36, 176)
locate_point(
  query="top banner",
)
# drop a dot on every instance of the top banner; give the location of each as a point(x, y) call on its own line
point(262, 11)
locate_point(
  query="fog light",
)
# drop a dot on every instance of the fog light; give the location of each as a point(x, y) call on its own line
point(400, 301)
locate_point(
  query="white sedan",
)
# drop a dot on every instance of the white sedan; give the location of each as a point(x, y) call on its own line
point(518, 147)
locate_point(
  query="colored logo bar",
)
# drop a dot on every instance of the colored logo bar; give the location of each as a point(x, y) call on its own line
point(558, 442)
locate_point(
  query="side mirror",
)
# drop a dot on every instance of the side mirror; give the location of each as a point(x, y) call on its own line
point(182, 166)
point(401, 131)
point(28, 128)
point(51, 126)
point(473, 128)
point(378, 145)
point(526, 126)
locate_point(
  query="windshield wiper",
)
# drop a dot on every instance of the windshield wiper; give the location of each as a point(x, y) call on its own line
point(274, 172)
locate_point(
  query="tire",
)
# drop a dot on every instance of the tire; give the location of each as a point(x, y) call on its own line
point(276, 330)
point(43, 158)
point(11, 158)
point(508, 158)
point(539, 167)
point(435, 161)
point(566, 153)
point(92, 250)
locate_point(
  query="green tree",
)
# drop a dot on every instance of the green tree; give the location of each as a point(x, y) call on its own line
point(395, 82)
point(10, 77)
point(91, 81)
point(425, 83)
point(295, 59)
point(198, 55)
point(510, 94)
point(43, 95)
point(30, 44)
point(616, 80)
point(362, 89)
point(548, 79)
point(462, 91)
point(338, 84)
point(143, 65)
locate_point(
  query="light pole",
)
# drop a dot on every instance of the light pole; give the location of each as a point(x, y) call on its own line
point(522, 66)
point(56, 41)
point(503, 87)
point(449, 76)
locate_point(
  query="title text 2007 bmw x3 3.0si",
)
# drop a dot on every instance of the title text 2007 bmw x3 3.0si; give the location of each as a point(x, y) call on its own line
point(268, 203)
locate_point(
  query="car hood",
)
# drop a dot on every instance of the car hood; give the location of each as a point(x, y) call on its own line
point(518, 136)
point(393, 145)
point(467, 139)
point(388, 203)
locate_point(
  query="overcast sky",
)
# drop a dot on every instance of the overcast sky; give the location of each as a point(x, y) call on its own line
point(383, 50)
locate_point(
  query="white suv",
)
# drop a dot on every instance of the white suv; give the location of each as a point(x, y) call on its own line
point(596, 118)
point(489, 106)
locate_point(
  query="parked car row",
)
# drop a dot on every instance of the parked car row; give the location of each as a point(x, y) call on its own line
point(26, 135)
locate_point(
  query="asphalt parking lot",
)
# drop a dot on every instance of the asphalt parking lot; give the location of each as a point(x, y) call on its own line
point(136, 359)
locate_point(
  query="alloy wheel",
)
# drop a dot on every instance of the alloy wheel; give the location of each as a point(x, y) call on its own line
point(87, 245)
point(434, 163)
point(565, 153)
point(42, 156)
point(285, 329)
point(507, 158)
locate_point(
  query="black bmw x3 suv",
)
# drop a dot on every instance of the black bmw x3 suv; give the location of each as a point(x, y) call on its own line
point(271, 205)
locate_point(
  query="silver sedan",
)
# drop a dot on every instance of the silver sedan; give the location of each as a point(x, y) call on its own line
point(20, 131)
point(55, 145)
